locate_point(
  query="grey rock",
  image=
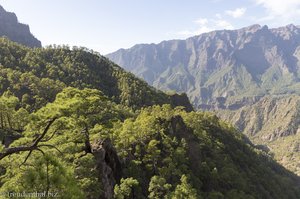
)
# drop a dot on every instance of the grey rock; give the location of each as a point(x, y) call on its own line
point(108, 165)
point(15, 31)
point(250, 63)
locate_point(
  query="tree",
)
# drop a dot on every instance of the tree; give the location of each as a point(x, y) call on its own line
point(126, 188)
point(185, 190)
point(152, 155)
point(45, 174)
point(35, 145)
point(158, 188)
point(8, 104)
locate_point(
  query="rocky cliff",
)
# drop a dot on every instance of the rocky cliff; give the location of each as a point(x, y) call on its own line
point(15, 31)
point(272, 122)
point(233, 64)
point(108, 165)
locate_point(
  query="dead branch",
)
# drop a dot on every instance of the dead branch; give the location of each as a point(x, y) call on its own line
point(32, 147)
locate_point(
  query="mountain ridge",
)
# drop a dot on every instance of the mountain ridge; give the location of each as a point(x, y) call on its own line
point(220, 63)
point(54, 73)
point(197, 64)
point(231, 72)
point(16, 31)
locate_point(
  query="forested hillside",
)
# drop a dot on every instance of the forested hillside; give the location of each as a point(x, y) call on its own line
point(35, 76)
point(74, 124)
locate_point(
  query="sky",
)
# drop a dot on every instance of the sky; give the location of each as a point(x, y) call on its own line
point(108, 25)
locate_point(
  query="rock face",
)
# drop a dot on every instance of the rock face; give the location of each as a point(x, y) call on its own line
point(232, 64)
point(15, 31)
point(181, 100)
point(272, 123)
point(108, 165)
point(268, 119)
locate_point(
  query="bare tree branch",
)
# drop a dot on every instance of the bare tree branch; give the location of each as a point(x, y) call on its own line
point(53, 134)
point(44, 132)
point(87, 145)
point(40, 150)
point(33, 146)
point(87, 148)
point(26, 157)
point(49, 138)
point(51, 146)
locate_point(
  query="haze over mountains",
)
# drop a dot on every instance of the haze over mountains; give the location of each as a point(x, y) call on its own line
point(249, 77)
point(15, 31)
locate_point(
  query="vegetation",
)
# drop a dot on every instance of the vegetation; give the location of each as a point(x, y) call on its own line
point(233, 73)
point(75, 124)
point(35, 76)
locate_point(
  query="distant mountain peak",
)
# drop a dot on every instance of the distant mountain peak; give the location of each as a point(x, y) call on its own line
point(291, 26)
point(15, 31)
point(252, 28)
point(2, 9)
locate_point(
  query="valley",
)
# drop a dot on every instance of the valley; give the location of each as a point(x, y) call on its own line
point(212, 116)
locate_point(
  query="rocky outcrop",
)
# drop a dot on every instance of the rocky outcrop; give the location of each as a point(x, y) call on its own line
point(108, 165)
point(181, 100)
point(229, 104)
point(15, 31)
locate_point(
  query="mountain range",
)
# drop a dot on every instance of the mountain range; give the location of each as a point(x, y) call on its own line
point(249, 77)
point(75, 125)
point(227, 66)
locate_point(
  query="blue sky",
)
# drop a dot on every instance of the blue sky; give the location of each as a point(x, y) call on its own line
point(107, 25)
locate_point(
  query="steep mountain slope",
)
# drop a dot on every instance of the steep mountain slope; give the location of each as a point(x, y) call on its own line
point(273, 122)
point(35, 76)
point(245, 76)
point(15, 31)
point(232, 64)
point(102, 140)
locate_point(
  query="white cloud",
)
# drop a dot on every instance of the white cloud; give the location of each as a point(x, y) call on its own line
point(287, 11)
point(202, 21)
point(207, 25)
point(279, 7)
point(223, 24)
point(237, 13)
point(218, 15)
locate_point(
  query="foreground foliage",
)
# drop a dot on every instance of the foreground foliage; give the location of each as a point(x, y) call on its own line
point(165, 153)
